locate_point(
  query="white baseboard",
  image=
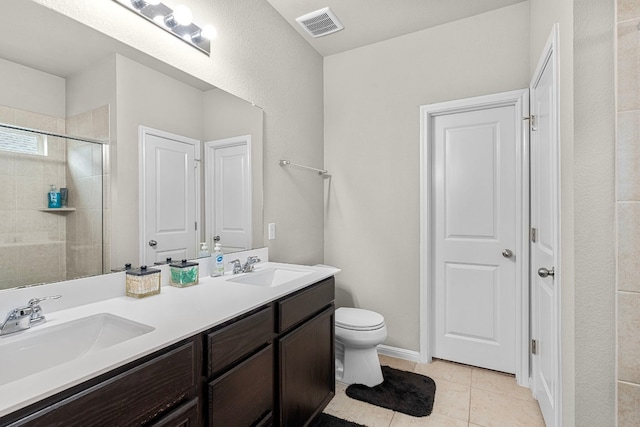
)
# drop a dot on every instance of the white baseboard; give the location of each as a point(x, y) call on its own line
point(399, 353)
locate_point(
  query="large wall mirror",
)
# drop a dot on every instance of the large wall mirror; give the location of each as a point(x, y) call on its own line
point(68, 77)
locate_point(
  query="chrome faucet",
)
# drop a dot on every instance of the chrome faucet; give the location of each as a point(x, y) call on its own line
point(238, 267)
point(249, 264)
point(22, 318)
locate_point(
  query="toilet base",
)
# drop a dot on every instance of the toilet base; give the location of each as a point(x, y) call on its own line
point(359, 366)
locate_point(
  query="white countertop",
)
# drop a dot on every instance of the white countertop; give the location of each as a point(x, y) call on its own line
point(175, 314)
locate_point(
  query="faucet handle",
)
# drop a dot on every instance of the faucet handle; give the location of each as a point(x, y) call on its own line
point(237, 266)
point(35, 301)
point(248, 265)
point(36, 312)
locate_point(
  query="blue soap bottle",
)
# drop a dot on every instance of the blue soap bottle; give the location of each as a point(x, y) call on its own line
point(54, 197)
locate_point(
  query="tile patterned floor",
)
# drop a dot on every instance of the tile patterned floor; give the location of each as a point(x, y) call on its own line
point(465, 397)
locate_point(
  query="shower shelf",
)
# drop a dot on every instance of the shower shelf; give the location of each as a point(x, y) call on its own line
point(61, 210)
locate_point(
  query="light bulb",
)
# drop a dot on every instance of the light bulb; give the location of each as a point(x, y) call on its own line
point(159, 20)
point(182, 14)
point(138, 4)
point(209, 32)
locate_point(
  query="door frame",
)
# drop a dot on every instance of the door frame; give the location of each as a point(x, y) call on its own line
point(143, 132)
point(209, 146)
point(520, 100)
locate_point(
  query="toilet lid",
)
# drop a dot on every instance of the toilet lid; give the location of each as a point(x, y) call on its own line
point(358, 319)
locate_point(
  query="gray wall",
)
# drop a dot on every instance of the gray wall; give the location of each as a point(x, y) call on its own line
point(372, 149)
point(31, 90)
point(594, 214)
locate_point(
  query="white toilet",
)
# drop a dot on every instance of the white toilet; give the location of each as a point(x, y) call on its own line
point(358, 333)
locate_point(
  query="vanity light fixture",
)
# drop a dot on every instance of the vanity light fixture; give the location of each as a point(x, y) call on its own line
point(177, 21)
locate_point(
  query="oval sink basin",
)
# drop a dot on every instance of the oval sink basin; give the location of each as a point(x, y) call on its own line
point(36, 350)
point(271, 277)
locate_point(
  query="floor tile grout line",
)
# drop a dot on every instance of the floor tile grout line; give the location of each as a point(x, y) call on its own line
point(470, 391)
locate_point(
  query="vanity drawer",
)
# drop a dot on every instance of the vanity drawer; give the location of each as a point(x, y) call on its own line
point(305, 303)
point(238, 339)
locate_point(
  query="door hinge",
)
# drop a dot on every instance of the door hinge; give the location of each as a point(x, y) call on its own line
point(196, 225)
point(532, 122)
point(533, 234)
point(534, 347)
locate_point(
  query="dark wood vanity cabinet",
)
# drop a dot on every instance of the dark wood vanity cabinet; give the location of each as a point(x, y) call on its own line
point(239, 359)
point(271, 366)
point(159, 390)
point(305, 347)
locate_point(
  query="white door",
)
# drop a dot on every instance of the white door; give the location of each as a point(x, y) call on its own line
point(545, 245)
point(475, 235)
point(228, 192)
point(169, 196)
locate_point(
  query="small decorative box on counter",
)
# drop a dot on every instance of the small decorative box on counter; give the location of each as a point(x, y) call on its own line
point(143, 282)
point(184, 273)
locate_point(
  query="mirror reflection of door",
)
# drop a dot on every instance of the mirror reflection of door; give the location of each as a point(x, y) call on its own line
point(169, 196)
point(228, 192)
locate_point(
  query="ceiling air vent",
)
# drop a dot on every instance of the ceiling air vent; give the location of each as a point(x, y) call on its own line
point(320, 23)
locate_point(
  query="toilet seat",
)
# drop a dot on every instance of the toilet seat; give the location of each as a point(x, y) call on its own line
point(357, 319)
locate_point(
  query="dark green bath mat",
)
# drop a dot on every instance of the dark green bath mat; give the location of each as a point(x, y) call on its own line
point(401, 391)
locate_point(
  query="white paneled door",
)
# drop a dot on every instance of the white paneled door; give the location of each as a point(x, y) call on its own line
point(228, 192)
point(545, 265)
point(169, 196)
point(475, 226)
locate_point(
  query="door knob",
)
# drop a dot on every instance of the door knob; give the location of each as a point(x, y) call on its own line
point(507, 253)
point(152, 243)
point(543, 272)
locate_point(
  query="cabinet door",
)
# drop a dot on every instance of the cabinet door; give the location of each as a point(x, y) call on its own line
point(307, 370)
point(137, 396)
point(243, 396)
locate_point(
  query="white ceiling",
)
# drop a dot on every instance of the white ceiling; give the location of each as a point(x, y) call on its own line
point(59, 45)
point(371, 21)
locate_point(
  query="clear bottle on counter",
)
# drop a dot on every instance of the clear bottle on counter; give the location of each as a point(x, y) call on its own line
point(218, 261)
point(204, 250)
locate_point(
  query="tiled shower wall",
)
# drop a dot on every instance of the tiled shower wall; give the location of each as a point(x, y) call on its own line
point(628, 211)
point(32, 242)
point(84, 172)
point(38, 246)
